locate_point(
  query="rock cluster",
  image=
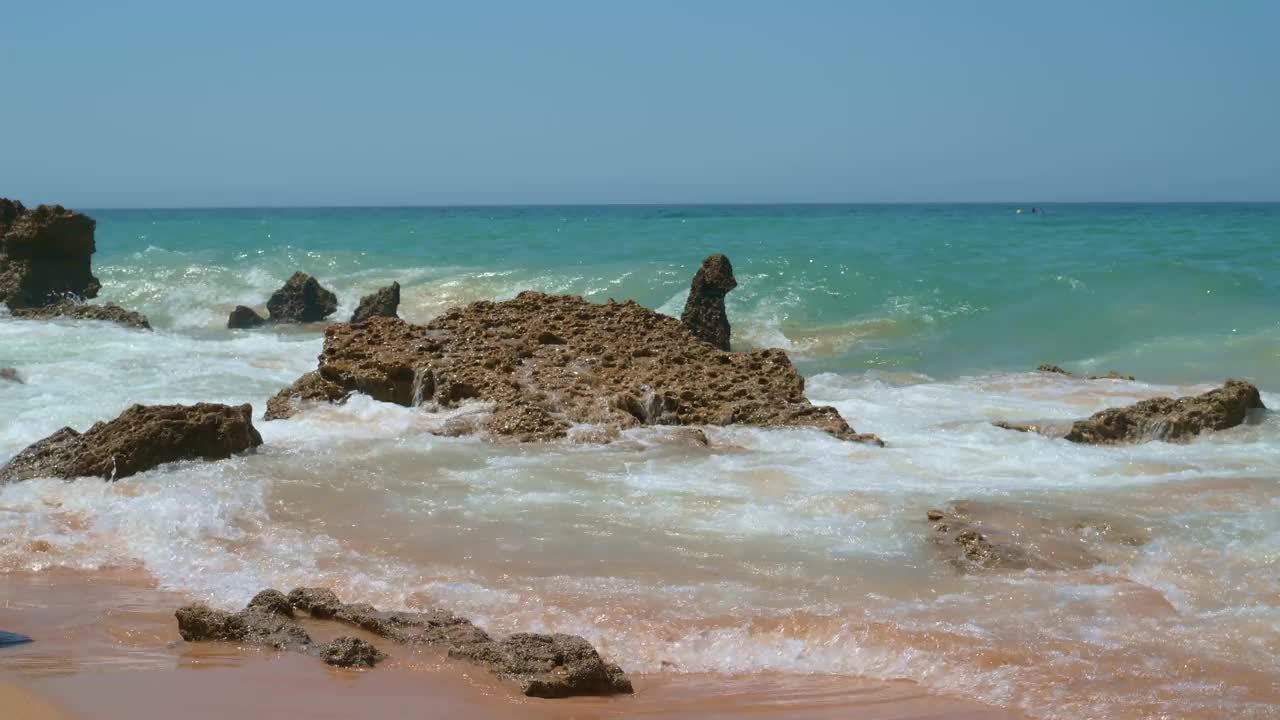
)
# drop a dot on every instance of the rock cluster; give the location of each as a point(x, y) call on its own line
point(1170, 419)
point(548, 666)
point(302, 299)
point(141, 438)
point(549, 361)
point(704, 313)
point(383, 303)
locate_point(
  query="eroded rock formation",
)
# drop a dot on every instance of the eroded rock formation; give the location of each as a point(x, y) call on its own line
point(45, 255)
point(1170, 419)
point(1111, 375)
point(141, 438)
point(548, 361)
point(301, 300)
point(383, 303)
point(243, 318)
point(704, 313)
point(549, 666)
point(84, 311)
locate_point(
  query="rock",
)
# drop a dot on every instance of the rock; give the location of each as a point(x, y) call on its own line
point(301, 300)
point(272, 601)
point(1169, 419)
point(704, 314)
point(45, 255)
point(351, 652)
point(200, 622)
point(255, 625)
point(543, 665)
point(11, 375)
point(84, 311)
point(141, 438)
point(1112, 375)
point(243, 318)
point(611, 364)
point(382, 303)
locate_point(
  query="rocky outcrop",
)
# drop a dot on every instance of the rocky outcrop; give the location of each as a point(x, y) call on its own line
point(10, 375)
point(301, 300)
point(244, 318)
point(383, 303)
point(1112, 375)
point(45, 255)
point(141, 438)
point(1169, 419)
point(549, 361)
point(704, 312)
point(548, 666)
point(83, 311)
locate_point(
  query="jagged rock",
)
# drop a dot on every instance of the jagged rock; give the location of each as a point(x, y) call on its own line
point(309, 387)
point(254, 625)
point(243, 318)
point(980, 536)
point(141, 438)
point(301, 300)
point(45, 255)
point(351, 652)
point(84, 311)
point(382, 303)
point(1169, 419)
point(704, 312)
point(1111, 375)
point(549, 666)
point(272, 601)
point(549, 361)
point(11, 375)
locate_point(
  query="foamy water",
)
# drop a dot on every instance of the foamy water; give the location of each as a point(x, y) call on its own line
point(782, 551)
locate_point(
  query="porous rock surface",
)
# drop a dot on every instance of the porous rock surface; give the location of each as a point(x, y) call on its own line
point(141, 438)
point(84, 311)
point(301, 300)
point(704, 312)
point(45, 255)
point(1170, 419)
point(383, 303)
point(549, 361)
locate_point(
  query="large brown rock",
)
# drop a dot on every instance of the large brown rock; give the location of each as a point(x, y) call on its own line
point(45, 255)
point(301, 300)
point(1169, 419)
point(141, 438)
point(383, 303)
point(85, 311)
point(704, 313)
point(547, 361)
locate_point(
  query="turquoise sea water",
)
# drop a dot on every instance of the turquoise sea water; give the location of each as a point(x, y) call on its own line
point(1173, 293)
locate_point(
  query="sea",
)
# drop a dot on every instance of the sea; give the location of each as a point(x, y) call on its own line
point(779, 552)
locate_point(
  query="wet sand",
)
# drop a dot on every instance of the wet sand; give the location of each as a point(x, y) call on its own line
point(108, 647)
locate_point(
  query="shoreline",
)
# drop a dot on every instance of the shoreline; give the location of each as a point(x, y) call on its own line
point(107, 647)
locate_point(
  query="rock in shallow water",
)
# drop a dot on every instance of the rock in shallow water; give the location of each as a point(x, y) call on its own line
point(45, 255)
point(1169, 419)
point(550, 361)
point(704, 313)
point(85, 311)
point(10, 375)
point(244, 318)
point(301, 300)
point(141, 438)
point(351, 652)
point(382, 303)
point(1112, 375)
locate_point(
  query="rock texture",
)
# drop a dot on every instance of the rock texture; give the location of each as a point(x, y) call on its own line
point(383, 303)
point(547, 361)
point(83, 311)
point(243, 318)
point(1112, 375)
point(301, 300)
point(1169, 419)
point(704, 312)
point(45, 255)
point(141, 438)
point(10, 375)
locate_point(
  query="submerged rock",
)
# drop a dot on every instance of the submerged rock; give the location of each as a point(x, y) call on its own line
point(550, 361)
point(141, 438)
point(301, 300)
point(1112, 375)
point(84, 311)
point(351, 652)
point(45, 255)
point(1169, 419)
point(704, 312)
point(10, 375)
point(243, 318)
point(382, 303)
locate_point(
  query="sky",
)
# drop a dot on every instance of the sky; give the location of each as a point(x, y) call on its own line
point(275, 103)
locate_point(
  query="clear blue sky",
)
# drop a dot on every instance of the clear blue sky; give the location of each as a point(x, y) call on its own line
point(146, 104)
